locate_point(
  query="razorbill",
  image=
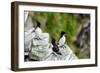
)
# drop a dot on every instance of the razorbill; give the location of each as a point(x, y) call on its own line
point(55, 47)
point(62, 39)
point(38, 30)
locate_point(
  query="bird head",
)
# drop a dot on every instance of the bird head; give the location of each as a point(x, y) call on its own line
point(38, 24)
point(53, 41)
point(62, 33)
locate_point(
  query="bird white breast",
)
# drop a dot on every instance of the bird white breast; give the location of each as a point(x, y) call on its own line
point(38, 31)
point(62, 41)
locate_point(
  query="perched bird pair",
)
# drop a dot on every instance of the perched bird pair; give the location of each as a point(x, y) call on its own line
point(60, 42)
point(55, 44)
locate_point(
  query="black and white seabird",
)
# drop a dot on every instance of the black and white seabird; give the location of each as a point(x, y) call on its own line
point(38, 30)
point(55, 47)
point(62, 39)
